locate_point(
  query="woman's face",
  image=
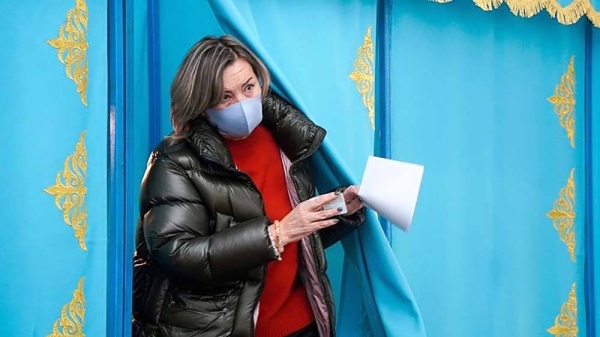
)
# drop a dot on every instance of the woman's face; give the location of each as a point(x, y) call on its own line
point(239, 83)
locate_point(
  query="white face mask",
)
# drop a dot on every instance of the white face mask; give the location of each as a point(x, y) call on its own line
point(239, 119)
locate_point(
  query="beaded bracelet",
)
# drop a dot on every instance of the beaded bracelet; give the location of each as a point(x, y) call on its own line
point(278, 237)
point(274, 246)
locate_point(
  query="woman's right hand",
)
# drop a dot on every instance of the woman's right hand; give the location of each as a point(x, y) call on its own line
point(307, 218)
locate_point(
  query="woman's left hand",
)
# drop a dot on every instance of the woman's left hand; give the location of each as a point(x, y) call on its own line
point(353, 202)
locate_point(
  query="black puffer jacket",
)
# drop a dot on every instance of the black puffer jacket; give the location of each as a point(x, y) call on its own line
point(202, 243)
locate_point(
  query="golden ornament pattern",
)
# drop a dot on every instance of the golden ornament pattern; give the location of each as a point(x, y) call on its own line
point(363, 75)
point(69, 191)
point(564, 101)
point(563, 215)
point(72, 47)
point(565, 324)
point(72, 316)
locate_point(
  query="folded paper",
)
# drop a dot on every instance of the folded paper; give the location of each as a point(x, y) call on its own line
point(391, 188)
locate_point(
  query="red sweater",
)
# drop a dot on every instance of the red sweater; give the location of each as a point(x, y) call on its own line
point(284, 306)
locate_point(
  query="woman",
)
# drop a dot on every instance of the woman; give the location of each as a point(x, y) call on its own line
point(231, 238)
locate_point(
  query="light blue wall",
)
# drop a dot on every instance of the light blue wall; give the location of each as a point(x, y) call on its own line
point(469, 101)
point(41, 124)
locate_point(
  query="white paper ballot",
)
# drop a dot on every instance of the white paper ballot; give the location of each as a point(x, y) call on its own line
point(391, 188)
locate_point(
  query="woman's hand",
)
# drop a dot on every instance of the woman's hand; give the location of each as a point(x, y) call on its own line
point(353, 202)
point(307, 218)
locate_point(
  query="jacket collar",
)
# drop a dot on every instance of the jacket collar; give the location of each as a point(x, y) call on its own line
point(297, 136)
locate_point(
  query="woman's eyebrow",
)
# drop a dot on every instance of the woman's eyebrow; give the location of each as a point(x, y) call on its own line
point(247, 81)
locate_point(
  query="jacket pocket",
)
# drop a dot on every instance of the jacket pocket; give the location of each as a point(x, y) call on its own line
point(193, 311)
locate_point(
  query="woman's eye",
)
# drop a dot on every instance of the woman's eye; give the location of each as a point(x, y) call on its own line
point(226, 98)
point(249, 87)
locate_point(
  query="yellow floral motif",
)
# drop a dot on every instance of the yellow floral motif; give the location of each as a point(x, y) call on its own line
point(566, 15)
point(72, 316)
point(564, 101)
point(565, 324)
point(72, 47)
point(563, 215)
point(363, 75)
point(69, 191)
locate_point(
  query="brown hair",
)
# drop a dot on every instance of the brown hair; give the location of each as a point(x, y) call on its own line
point(198, 84)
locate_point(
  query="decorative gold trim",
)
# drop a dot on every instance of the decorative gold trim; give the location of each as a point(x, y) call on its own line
point(70, 191)
point(564, 101)
point(563, 215)
point(72, 47)
point(363, 75)
point(593, 15)
point(565, 324)
point(526, 8)
point(565, 15)
point(488, 5)
point(569, 14)
point(72, 316)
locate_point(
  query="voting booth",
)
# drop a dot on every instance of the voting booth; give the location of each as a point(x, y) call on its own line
point(488, 226)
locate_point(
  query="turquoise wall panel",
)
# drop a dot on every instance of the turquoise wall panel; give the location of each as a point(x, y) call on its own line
point(42, 122)
point(470, 96)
